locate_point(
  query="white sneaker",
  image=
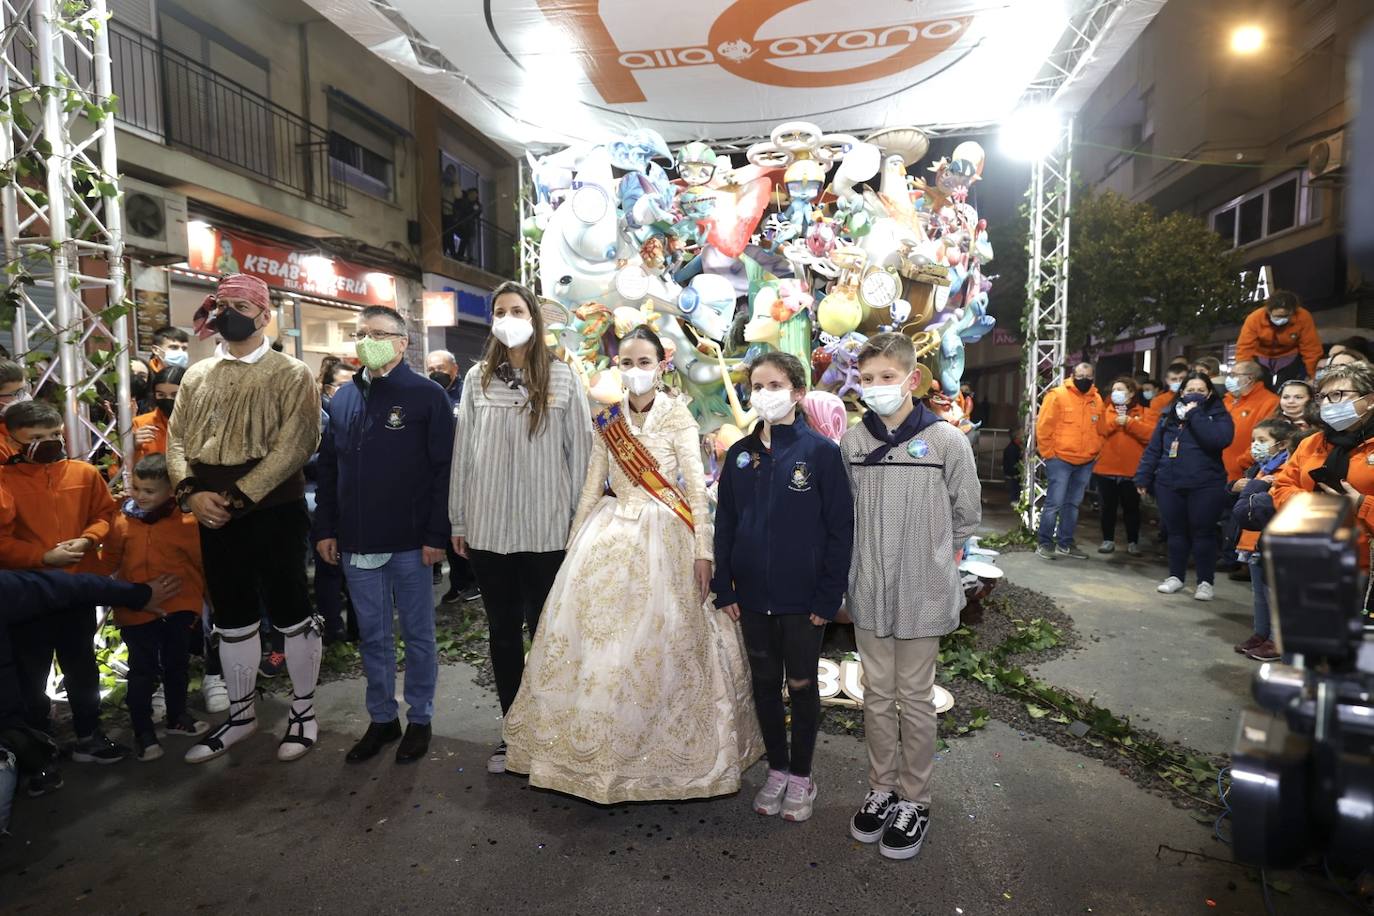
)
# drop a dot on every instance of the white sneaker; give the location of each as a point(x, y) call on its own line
point(1203, 592)
point(496, 763)
point(1170, 585)
point(1133, 549)
point(801, 795)
point(768, 801)
point(1107, 547)
point(215, 693)
point(159, 704)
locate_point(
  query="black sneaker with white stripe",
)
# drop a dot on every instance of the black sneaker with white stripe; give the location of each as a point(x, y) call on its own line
point(903, 837)
point(871, 819)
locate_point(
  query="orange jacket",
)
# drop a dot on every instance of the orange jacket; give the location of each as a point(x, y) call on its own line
point(6, 512)
point(158, 446)
point(1161, 402)
point(1311, 453)
point(140, 552)
point(6, 450)
point(1260, 339)
point(53, 503)
point(1067, 426)
point(1122, 446)
point(1257, 404)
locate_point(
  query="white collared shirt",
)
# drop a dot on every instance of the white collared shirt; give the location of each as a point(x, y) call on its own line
point(222, 351)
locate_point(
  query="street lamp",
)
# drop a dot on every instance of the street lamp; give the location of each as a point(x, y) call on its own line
point(1247, 39)
point(1031, 132)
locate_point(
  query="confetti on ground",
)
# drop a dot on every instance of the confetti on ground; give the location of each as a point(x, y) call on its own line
point(1006, 895)
point(1211, 902)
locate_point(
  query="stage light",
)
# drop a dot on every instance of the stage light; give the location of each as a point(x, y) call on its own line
point(1030, 133)
point(1247, 39)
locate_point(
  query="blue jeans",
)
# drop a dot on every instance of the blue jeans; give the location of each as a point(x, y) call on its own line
point(407, 584)
point(1259, 589)
point(1059, 515)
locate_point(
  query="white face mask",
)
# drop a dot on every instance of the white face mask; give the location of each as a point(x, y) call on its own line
point(885, 399)
point(176, 358)
point(1277, 322)
point(772, 405)
point(639, 381)
point(1120, 397)
point(512, 331)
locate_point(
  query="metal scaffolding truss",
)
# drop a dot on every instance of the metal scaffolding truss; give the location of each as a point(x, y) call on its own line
point(1047, 301)
point(63, 226)
point(1094, 38)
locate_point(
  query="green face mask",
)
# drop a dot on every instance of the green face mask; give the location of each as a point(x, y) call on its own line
point(375, 354)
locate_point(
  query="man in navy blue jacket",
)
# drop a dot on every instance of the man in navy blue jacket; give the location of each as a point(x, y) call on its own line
point(783, 543)
point(382, 512)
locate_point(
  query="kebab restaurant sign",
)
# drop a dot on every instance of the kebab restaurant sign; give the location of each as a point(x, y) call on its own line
point(219, 251)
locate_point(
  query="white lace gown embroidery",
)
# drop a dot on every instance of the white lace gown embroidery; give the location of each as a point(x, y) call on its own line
point(635, 690)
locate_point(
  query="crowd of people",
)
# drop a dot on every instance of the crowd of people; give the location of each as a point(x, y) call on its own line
point(667, 611)
point(1218, 451)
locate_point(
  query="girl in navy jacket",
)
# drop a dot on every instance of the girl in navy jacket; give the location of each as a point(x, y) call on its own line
point(783, 541)
point(1182, 465)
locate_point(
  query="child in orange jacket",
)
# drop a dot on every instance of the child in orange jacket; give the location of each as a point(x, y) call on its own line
point(151, 537)
point(62, 513)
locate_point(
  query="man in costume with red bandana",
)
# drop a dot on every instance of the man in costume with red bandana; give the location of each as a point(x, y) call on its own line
point(246, 422)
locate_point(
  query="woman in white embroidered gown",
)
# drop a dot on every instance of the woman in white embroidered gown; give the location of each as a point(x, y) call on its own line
point(635, 689)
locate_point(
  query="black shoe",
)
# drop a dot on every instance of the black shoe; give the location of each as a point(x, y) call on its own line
point(871, 820)
point(415, 744)
point(98, 749)
point(471, 593)
point(438, 573)
point(43, 782)
point(1240, 573)
point(449, 596)
point(273, 664)
point(904, 836)
point(378, 734)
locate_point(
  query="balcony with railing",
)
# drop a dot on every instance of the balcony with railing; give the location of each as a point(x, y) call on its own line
point(481, 243)
point(189, 106)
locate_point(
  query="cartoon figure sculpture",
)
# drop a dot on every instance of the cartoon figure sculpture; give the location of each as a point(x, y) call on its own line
point(682, 252)
point(696, 164)
point(579, 249)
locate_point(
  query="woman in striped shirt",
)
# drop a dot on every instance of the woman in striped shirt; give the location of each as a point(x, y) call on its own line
point(519, 460)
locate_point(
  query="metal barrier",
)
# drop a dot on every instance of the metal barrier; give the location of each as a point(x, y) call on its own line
point(991, 442)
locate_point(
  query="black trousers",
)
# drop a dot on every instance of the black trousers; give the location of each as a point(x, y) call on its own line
point(514, 588)
point(158, 647)
point(1114, 492)
point(70, 634)
point(778, 645)
point(257, 561)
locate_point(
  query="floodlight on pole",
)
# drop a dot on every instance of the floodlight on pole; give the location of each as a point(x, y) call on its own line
point(1031, 132)
point(1247, 39)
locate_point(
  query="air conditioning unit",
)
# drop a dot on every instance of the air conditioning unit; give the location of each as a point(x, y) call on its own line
point(1326, 158)
point(154, 222)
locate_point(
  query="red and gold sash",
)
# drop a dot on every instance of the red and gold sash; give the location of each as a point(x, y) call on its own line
point(634, 459)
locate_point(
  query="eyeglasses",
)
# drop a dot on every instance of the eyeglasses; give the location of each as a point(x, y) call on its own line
point(1338, 395)
point(376, 335)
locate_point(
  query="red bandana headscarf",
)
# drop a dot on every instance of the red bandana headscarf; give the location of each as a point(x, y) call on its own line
point(234, 286)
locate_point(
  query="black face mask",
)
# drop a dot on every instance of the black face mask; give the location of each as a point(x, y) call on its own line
point(138, 386)
point(442, 379)
point(234, 326)
point(45, 451)
point(165, 405)
point(1083, 384)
